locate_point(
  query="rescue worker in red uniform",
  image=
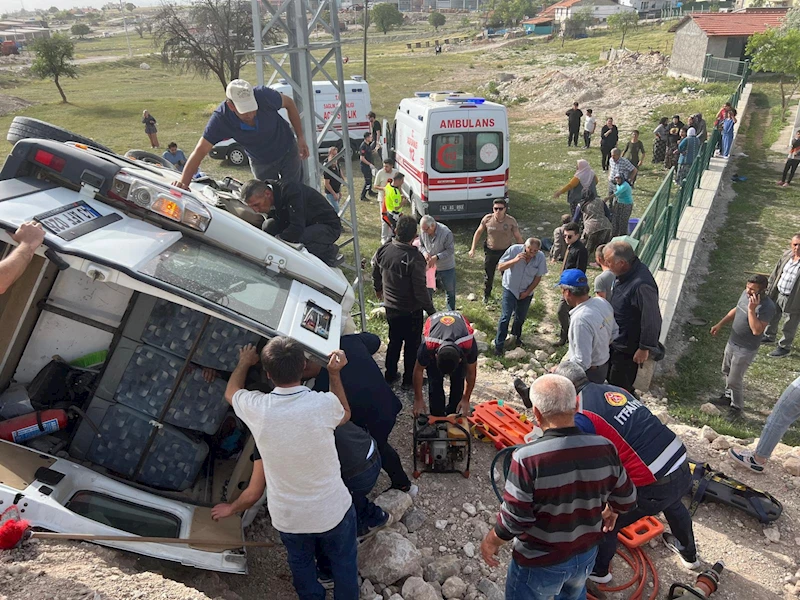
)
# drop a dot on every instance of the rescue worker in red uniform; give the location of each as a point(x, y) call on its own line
point(448, 348)
point(651, 453)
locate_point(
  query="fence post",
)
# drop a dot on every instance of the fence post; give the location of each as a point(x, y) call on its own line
point(667, 236)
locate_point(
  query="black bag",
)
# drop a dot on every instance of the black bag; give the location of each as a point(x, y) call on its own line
point(59, 385)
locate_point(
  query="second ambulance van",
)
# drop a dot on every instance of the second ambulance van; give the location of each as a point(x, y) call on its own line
point(454, 151)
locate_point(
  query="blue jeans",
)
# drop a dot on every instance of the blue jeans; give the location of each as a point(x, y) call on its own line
point(339, 546)
point(448, 280)
point(367, 513)
point(785, 412)
point(332, 201)
point(564, 581)
point(510, 305)
point(651, 500)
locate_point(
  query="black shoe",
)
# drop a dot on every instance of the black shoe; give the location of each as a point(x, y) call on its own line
point(724, 400)
point(520, 343)
point(523, 391)
point(407, 384)
point(560, 343)
point(390, 379)
point(767, 340)
point(734, 414)
point(779, 352)
point(672, 543)
point(365, 199)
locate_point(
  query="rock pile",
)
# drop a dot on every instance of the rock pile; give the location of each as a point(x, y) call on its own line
point(393, 568)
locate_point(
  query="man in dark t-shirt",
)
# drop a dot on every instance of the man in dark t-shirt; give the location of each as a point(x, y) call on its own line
point(574, 116)
point(749, 319)
point(250, 116)
point(365, 157)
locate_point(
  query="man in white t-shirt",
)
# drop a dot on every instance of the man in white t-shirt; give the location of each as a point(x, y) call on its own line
point(382, 177)
point(307, 500)
point(589, 125)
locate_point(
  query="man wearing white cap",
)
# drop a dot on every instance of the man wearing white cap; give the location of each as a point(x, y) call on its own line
point(250, 116)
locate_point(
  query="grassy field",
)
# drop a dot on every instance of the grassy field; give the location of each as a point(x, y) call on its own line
point(760, 221)
point(106, 102)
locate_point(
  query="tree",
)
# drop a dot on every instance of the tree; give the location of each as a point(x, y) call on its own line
point(511, 12)
point(52, 10)
point(80, 29)
point(622, 22)
point(140, 27)
point(205, 37)
point(385, 16)
point(576, 25)
point(130, 7)
point(53, 56)
point(792, 19)
point(778, 51)
point(436, 19)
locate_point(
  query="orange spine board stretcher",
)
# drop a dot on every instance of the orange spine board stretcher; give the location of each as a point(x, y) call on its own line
point(639, 533)
point(502, 424)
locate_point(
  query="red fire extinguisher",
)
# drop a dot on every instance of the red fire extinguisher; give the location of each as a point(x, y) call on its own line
point(26, 427)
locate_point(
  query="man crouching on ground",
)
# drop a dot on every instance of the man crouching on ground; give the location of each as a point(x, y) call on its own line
point(307, 500)
point(562, 492)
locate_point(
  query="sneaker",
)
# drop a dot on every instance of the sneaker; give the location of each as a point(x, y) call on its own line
point(600, 578)
point(523, 391)
point(390, 379)
point(559, 343)
point(734, 414)
point(779, 352)
point(407, 384)
point(767, 340)
point(370, 531)
point(724, 399)
point(745, 458)
point(520, 343)
point(325, 581)
point(672, 543)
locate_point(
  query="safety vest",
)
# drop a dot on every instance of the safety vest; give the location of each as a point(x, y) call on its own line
point(448, 327)
point(648, 449)
point(392, 199)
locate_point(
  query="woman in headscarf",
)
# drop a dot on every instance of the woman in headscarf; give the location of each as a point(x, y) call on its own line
point(660, 141)
point(592, 211)
point(583, 180)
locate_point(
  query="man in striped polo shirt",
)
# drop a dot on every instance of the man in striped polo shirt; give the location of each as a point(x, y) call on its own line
point(653, 456)
point(563, 492)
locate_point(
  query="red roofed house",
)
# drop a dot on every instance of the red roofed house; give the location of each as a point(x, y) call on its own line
point(702, 37)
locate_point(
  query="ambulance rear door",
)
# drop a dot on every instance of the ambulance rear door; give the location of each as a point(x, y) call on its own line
point(487, 155)
point(448, 179)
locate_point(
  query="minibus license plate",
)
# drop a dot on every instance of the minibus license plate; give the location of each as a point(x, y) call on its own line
point(449, 208)
point(74, 220)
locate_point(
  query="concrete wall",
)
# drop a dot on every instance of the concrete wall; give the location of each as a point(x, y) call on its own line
point(689, 51)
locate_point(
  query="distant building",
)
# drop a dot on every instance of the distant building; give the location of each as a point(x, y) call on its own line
point(539, 25)
point(648, 8)
point(741, 4)
point(14, 30)
point(716, 41)
point(565, 9)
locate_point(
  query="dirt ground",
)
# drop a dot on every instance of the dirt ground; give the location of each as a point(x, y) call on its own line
point(756, 569)
point(10, 104)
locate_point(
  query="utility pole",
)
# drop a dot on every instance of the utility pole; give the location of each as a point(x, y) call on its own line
point(125, 25)
point(366, 26)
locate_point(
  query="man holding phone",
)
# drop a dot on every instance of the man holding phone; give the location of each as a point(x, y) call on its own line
point(750, 318)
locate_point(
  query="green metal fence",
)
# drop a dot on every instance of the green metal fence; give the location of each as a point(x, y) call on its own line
point(659, 223)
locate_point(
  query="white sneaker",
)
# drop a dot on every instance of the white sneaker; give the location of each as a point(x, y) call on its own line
point(600, 578)
point(413, 490)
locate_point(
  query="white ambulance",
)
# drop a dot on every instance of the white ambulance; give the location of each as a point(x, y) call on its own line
point(454, 151)
point(326, 98)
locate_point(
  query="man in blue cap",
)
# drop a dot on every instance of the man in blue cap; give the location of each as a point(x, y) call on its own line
point(591, 326)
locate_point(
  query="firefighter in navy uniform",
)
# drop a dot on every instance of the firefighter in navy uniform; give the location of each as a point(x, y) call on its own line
point(651, 453)
point(448, 348)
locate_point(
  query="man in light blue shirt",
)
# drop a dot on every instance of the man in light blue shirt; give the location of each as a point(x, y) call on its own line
point(522, 266)
point(175, 156)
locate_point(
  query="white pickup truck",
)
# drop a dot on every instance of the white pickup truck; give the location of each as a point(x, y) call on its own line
point(166, 285)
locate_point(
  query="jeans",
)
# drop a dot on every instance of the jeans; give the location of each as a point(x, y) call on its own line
point(448, 281)
point(436, 389)
point(339, 546)
point(333, 202)
point(573, 137)
point(289, 167)
point(587, 139)
point(367, 173)
point(651, 500)
point(360, 485)
point(490, 260)
point(319, 240)
point(789, 170)
point(727, 143)
point(405, 332)
point(789, 327)
point(564, 581)
point(511, 305)
point(785, 412)
point(735, 363)
point(622, 370)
